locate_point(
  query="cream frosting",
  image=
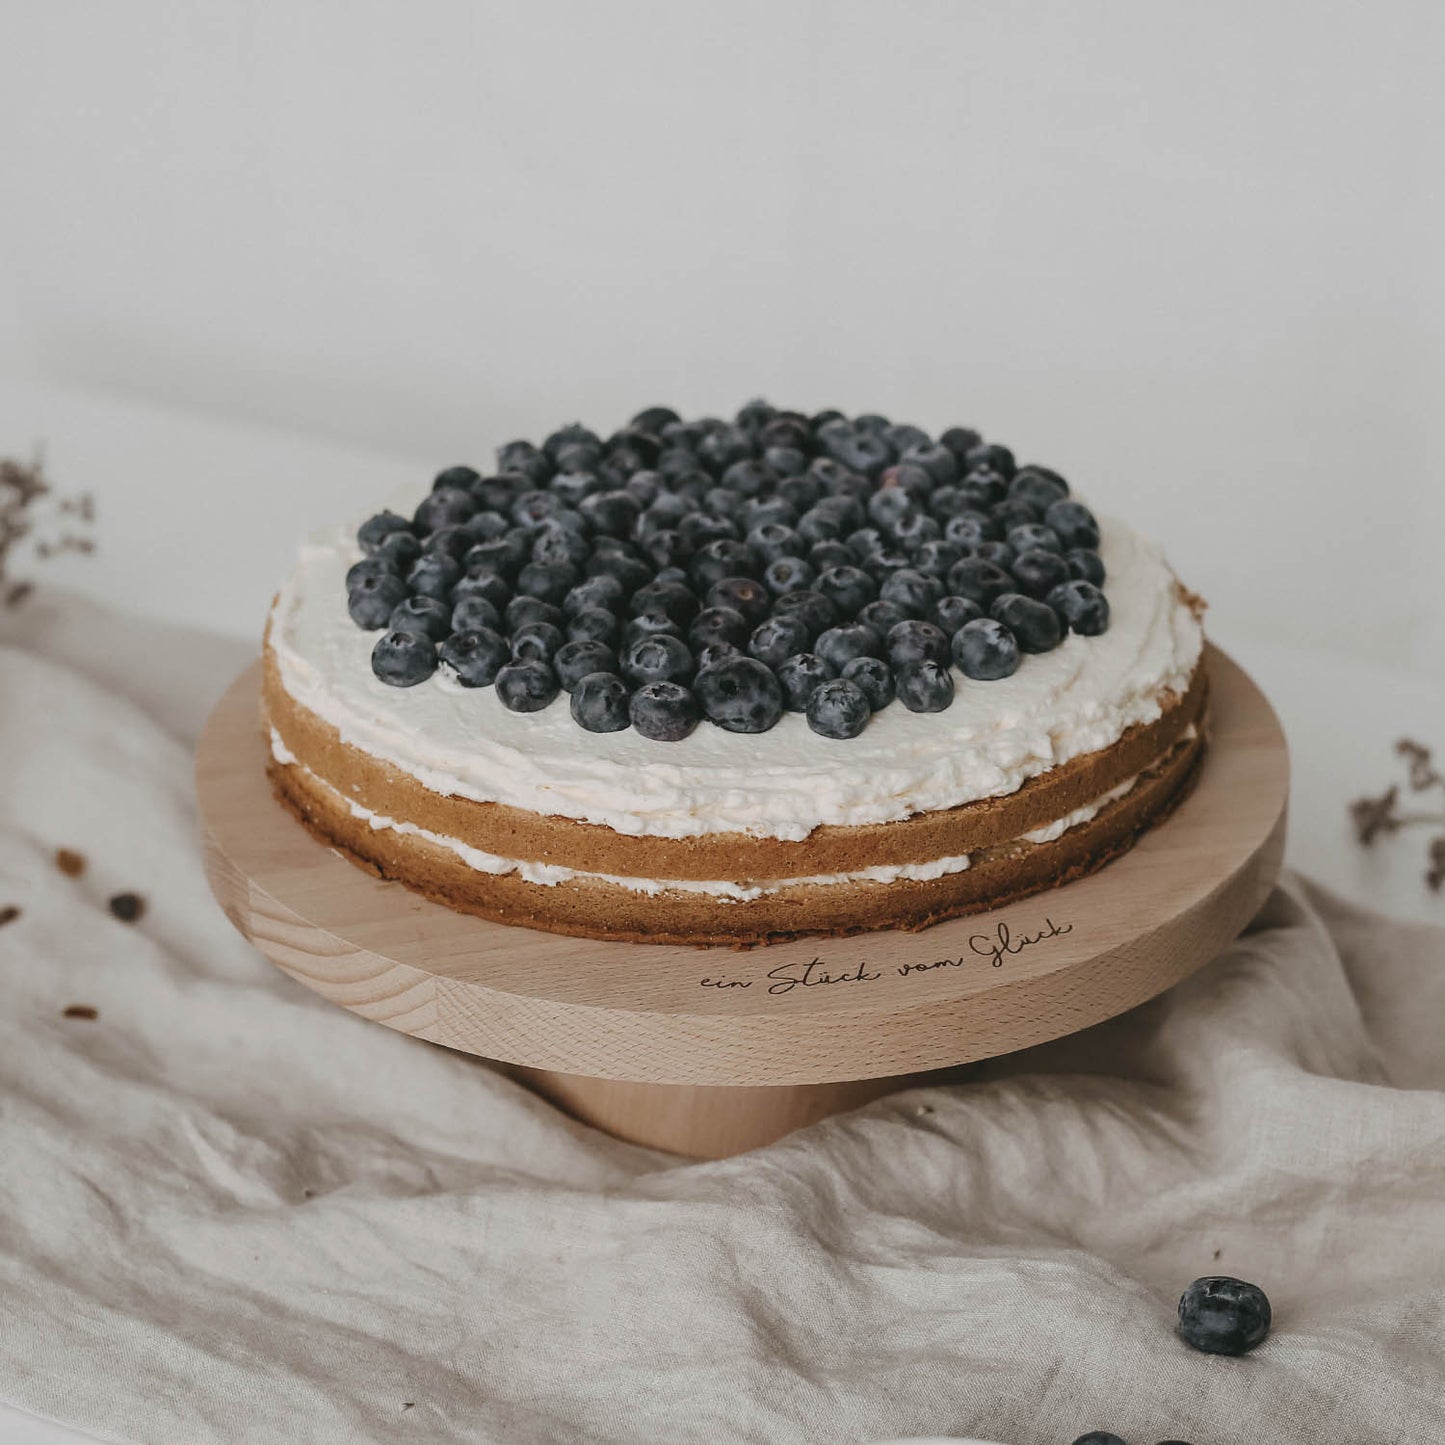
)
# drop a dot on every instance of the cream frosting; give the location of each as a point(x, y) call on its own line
point(549, 875)
point(783, 783)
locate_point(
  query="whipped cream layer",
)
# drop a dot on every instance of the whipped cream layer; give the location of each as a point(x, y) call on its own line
point(783, 783)
point(548, 875)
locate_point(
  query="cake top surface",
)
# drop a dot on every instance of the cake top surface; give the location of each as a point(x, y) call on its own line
point(540, 638)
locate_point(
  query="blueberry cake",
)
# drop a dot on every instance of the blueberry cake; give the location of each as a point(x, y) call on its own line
point(734, 681)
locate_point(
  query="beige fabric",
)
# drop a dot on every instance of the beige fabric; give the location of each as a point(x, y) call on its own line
point(229, 1211)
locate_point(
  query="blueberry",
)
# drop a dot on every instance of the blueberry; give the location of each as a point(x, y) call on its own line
point(828, 553)
point(800, 493)
point(949, 502)
point(546, 583)
point(987, 454)
point(771, 511)
point(748, 478)
point(499, 555)
point(722, 557)
point(872, 421)
point(401, 549)
point(883, 564)
point(1082, 606)
point(486, 525)
point(599, 591)
point(670, 597)
point(434, 575)
point(403, 659)
point(914, 641)
point(1000, 554)
point(445, 508)
point(575, 660)
point(374, 597)
point(713, 653)
point(718, 624)
point(1035, 624)
point(1224, 1316)
point(934, 559)
point(937, 460)
point(525, 460)
point(902, 435)
point(913, 591)
point(1034, 535)
point(866, 542)
point(819, 526)
point(1086, 565)
point(743, 594)
point(985, 650)
point(800, 675)
point(784, 461)
point(645, 486)
point(526, 686)
point(654, 418)
point(960, 440)
point(785, 433)
point(848, 588)
point(841, 644)
point(1075, 524)
point(536, 642)
point(461, 476)
point(776, 639)
point(375, 530)
point(882, 617)
point(864, 451)
point(533, 508)
point(451, 541)
point(838, 709)
point(472, 612)
point(559, 546)
point(568, 435)
point(873, 678)
point(1040, 485)
point(915, 529)
point(629, 571)
point(1015, 512)
point(483, 584)
point(720, 448)
point(724, 502)
point(811, 606)
point(950, 613)
point(771, 541)
point(648, 624)
point(474, 657)
point(522, 610)
point(925, 686)
point(666, 547)
point(594, 624)
point(888, 506)
point(375, 566)
point(424, 615)
point(664, 711)
point(1099, 1437)
point(599, 702)
point(912, 479)
point(979, 581)
point(787, 574)
point(576, 478)
point(1037, 573)
point(659, 658)
point(740, 694)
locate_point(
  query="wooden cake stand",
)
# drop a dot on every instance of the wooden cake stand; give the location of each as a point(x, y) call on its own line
point(710, 1051)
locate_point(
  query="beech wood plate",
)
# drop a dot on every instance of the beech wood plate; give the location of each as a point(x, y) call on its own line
point(722, 1021)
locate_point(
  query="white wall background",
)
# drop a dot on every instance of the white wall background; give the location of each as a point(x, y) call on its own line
point(1190, 254)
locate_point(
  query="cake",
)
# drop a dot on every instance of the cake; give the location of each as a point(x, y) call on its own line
point(734, 682)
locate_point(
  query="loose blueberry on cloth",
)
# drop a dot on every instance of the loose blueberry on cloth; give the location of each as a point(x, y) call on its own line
point(731, 571)
point(1224, 1316)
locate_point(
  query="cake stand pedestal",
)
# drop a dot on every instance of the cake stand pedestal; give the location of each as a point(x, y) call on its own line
point(711, 1051)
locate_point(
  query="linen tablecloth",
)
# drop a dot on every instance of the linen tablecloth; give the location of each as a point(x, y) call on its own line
point(230, 1211)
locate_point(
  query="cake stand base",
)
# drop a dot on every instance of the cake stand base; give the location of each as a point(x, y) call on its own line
point(712, 1051)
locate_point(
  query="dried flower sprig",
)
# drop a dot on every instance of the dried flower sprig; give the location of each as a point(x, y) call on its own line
point(62, 526)
point(1375, 816)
